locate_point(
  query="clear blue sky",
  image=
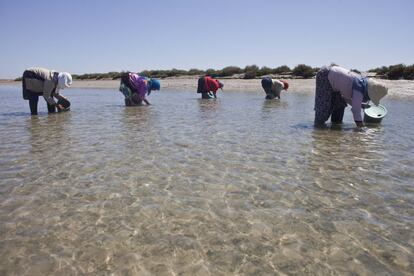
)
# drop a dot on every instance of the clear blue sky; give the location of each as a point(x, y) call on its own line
point(84, 36)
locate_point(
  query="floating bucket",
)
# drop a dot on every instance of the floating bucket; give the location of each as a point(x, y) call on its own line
point(374, 114)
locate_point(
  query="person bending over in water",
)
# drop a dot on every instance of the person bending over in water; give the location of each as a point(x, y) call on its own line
point(38, 81)
point(336, 87)
point(135, 88)
point(208, 87)
point(273, 88)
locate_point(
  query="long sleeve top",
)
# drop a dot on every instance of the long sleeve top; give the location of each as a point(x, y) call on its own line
point(277, 87)
point(139, 84)
point(211, 84)
point(43, 81)
point(341, 81)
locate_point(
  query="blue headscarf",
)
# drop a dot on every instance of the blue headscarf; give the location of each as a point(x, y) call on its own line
point(153, 84)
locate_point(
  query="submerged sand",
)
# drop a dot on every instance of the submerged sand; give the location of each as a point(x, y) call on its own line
point(237, 186)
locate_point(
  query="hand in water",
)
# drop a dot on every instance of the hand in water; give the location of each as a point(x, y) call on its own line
point(365, 105)
point(359, 124)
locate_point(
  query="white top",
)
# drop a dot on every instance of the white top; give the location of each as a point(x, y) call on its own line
point(341, 81)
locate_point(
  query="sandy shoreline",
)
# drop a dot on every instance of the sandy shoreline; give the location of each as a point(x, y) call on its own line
point(397, 88)
point(182, 83)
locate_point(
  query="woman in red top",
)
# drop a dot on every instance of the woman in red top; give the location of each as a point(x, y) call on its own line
point(208, 87)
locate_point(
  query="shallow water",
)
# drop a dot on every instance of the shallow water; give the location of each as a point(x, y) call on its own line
point(237, 185)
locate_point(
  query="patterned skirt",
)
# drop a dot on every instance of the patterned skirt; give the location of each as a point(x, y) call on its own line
point(326, 99)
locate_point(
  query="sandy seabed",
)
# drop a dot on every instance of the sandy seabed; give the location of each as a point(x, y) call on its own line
point(234, 186)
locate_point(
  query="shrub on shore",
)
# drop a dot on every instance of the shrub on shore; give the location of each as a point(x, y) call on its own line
point(251, 71)
point(393, 72)
point(284, 69)
point(409, 72)
point(230, 71)
point(194, 71)
point(396, 72)
point(98, 76)
point(303, 71)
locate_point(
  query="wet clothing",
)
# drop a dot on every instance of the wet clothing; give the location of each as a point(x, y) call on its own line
point(335, 88)
point(40, 82)
point(130, 98)
point(33, 102)
point(272, 88)
point(139, 85)
point(134, 88)
point(208, 87)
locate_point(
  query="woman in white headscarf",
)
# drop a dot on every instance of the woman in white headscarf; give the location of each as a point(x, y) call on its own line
point(43, 82)
point(336, 87)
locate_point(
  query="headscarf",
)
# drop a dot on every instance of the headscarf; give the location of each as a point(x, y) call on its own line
point(285, 84)
point(153, 84)
point(64, 80)
point(376, 91)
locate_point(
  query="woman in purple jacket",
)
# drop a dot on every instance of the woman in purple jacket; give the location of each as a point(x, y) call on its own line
point(135, 88)
point(336, 87)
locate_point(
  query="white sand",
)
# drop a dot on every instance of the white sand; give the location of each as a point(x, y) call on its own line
point(397, 88)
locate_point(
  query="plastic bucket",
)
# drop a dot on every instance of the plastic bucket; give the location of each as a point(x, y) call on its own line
point(375, 114)
point(64, 102)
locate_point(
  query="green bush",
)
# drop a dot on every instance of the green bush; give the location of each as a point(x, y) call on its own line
point(176, 72)
point(212, 73)
point(147, 73)
point(195, 72)
point(156, 73)
point(379, 70)
point(281, 70)
point(229, 71)
point(303, 71)
point(250, 71)
point(396, 72)
point(264, 71)
point(115, 75)
point(409, 72)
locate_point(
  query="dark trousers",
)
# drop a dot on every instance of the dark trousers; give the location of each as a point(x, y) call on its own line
point(200, 86)
point(33, 97)
point(201, 89)
point(34, 100)
point(337, 116)
point(207, 95)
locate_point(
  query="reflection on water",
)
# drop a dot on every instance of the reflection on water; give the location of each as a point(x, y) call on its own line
point(235, 185)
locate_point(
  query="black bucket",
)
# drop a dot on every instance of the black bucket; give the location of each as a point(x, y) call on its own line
point(65, 103)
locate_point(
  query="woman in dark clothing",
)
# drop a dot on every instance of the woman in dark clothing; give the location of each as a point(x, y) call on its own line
point(43, 82)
